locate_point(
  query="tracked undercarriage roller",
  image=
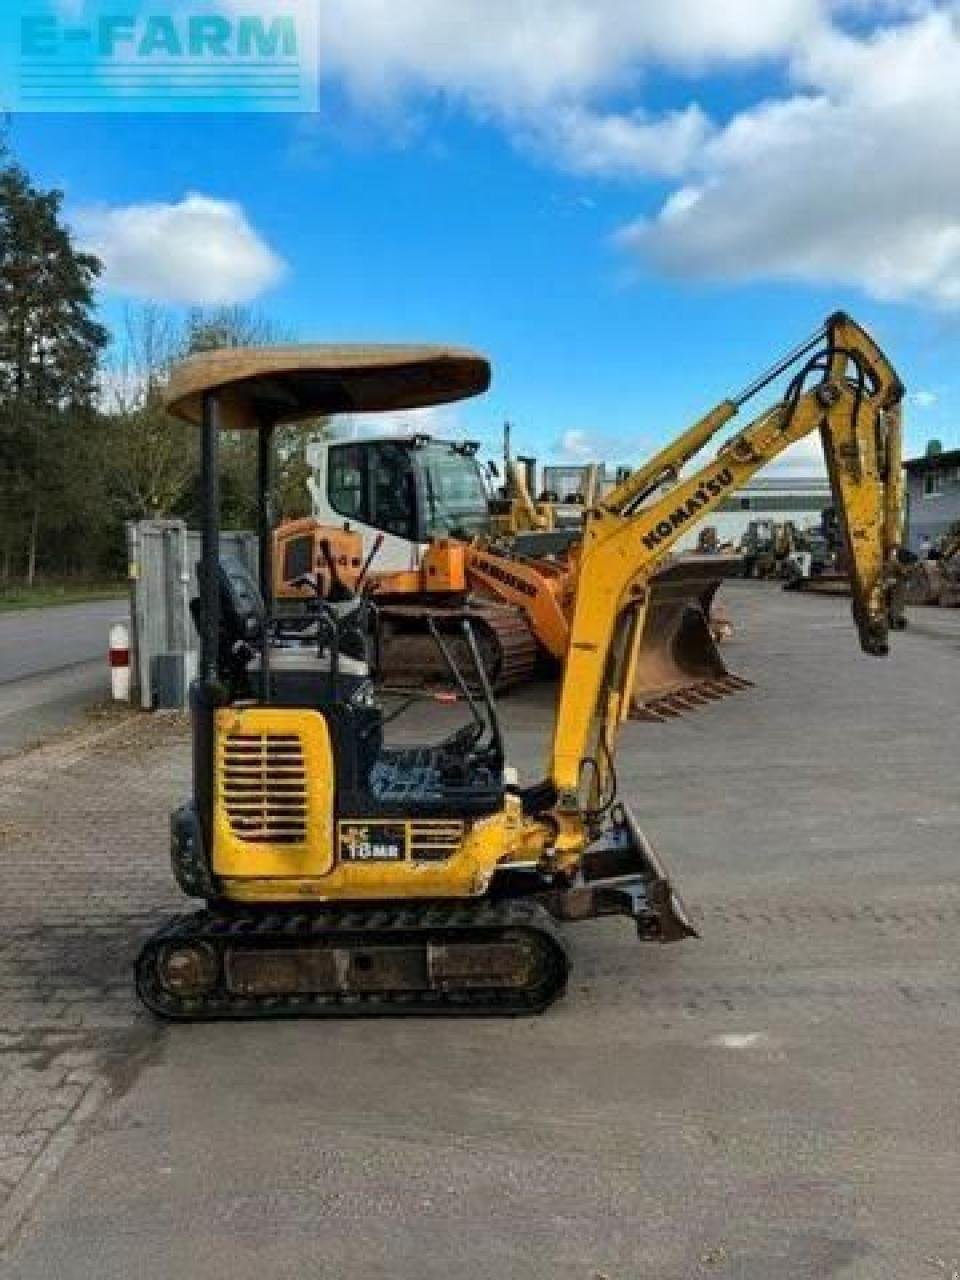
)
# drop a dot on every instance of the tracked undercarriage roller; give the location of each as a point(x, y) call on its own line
point(389, 961)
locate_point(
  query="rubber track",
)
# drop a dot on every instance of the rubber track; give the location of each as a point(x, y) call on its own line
point(366, 927)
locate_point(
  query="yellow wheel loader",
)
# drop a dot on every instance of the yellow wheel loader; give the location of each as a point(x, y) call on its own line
point(344, 876)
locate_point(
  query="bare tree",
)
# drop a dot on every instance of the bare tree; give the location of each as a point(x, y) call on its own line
point(151, 456)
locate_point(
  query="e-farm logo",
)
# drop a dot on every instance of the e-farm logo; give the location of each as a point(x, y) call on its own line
point(130, 55)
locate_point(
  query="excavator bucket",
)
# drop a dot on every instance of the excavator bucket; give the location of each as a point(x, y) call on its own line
point(678, 666)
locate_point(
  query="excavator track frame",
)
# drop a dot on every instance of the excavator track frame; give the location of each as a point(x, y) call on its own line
point(391, 959)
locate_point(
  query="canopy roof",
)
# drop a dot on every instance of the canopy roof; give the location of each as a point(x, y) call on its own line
point(283, 384)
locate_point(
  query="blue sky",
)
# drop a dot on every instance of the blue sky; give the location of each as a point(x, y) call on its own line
point(629, 236)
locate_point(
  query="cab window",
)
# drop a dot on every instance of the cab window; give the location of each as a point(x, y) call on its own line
point(298, 558)
point(346, 487)
point(393, 500)
point(374, 484)
point(455, 494)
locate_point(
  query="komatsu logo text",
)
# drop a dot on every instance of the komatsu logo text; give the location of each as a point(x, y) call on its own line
point(678, 517)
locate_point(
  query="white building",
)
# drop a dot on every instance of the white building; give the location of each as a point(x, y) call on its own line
point(799, 499)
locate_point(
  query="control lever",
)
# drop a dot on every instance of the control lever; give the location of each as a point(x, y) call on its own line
point(339, 591)
point(371, 556)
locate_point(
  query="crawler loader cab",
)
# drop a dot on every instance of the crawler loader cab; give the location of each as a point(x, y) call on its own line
point(404, 491)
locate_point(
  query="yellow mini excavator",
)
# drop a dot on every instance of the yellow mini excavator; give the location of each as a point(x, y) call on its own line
point(345, 876)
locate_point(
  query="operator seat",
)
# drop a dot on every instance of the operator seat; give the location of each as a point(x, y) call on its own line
point(322, 663)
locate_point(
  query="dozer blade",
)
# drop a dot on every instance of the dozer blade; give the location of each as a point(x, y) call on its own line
point(678, 666)
point(623, 875)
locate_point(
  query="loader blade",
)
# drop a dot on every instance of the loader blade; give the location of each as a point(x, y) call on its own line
point(679, 667)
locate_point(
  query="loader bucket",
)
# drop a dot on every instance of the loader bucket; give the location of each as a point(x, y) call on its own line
point(924, 582)
point(678, 664)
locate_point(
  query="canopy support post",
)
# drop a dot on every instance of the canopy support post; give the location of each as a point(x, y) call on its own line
point(265, 545)
point(210, 534)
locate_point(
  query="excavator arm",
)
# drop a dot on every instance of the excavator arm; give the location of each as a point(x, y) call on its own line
point(843, 386)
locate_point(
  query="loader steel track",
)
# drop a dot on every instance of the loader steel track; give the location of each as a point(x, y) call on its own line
point(460, 958)
point(410, 657)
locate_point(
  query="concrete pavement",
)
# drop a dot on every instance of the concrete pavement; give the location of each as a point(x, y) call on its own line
point(778, 1099)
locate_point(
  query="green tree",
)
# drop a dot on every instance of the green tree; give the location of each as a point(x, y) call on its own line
point(218, 327)
point(50, 343)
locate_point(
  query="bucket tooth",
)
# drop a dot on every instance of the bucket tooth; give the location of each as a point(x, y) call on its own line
point(695, 697)
point(647, 714)
point(710, 691)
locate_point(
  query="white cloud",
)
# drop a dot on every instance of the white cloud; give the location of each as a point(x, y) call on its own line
point(443, 421)
point(576, 446)
point(201, 251)
point(617, 145)
point(503, 55)
point(850, 181)
point(924, 399)
point(805, 458)
point(540, 69)
point(845, 176)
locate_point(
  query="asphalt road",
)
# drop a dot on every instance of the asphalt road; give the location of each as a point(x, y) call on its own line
point(779, 1099)
point(52, 666)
